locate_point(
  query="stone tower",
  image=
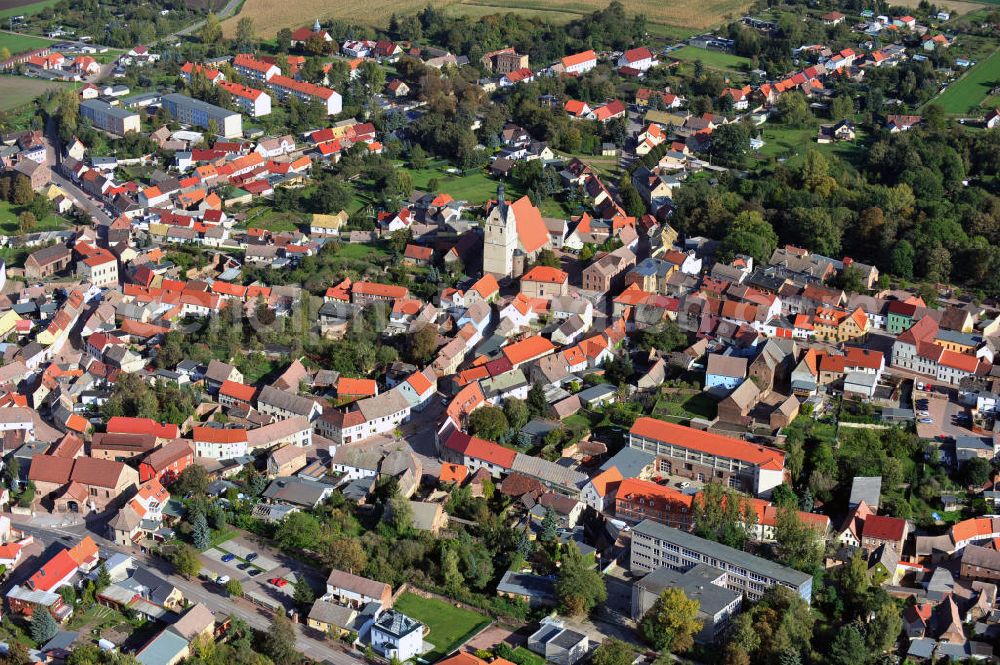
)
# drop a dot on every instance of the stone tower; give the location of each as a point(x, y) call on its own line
point(500, 239)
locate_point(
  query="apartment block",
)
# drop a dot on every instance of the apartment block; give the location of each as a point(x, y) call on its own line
point(656, 546)
point(196, 112)
point(109, 118)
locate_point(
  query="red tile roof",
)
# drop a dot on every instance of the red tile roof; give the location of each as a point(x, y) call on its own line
point(480, 449)
point(714, 444)
point(545, 274)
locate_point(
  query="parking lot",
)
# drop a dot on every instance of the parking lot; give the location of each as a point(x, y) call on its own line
point(950, 418)
point(257, 584)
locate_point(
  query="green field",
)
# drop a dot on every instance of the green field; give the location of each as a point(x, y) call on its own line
point(448, 626)
point(26, 10)
point(709, 58)
point(8, 220)
point(21, 43)
point(16, 91)
point(967, 93)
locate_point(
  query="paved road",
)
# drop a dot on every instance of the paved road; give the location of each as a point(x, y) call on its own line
point(53, 156)
point(223, 13)
point(195, 591)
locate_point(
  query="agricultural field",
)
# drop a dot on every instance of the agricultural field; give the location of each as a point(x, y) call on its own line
point(17, 91)
point(966, 94)
point(21, 43)
point(955, 6)
point(448, 626)
point(709, 58)
point(271, 17)
point(10, 8)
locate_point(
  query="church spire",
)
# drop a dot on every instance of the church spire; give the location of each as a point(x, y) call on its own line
point(500, 194)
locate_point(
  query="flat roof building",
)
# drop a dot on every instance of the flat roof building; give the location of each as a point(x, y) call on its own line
point(656, 546)
point(110, 118)
point(196, 112)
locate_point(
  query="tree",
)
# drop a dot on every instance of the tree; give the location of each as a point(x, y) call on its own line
point(538, 406)
point(749, 234)
point(794, 109)
point(842, 107)
point(21, 193)
point(613, 652)
point(516, 412)
point(103, 578)
point(453, 579)
point(848, 647)
point(283, 40)
point(298, 531)
point(665, 337)
point(43, 626)
point(279, 641)
point(26, 222)
point(549, 530)
point(27, 496)
point(315, 44)
point(731, 143)
point(724, 516)
point(631, 198)
point(347, 554)
point(303, 593)
point(192, 481)
point(4, 53)
point(211, 31)
point(976, 471)
point(488, 422)
point(400, 512)
point(423, 343)
point(234, 588)
point(798, 544)
point(185, 560)
point(579, 586)
point(672, 622)
point(246, 35)
point(372, 76)
point(201, 536)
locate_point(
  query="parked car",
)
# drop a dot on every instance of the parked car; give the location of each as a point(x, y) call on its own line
point(926, 421)
point(226, 558)
point(254, 572)
point(251, 556)
point(278, 581)
point(222, 579)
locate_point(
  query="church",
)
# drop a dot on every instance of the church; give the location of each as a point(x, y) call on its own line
point(515, 233)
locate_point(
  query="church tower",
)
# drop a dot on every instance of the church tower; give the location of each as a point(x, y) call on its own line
point(500, 239)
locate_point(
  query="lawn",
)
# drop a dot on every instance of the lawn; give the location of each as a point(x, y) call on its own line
point(358, 252)
point(793, 142)
point(448, 626)
point(714, 59)
point(525, 657)
point(476, 188)
point(17, 91)
point(10, 8)
point(968, 92)
point(21, 43)
point(8, 220)
point(685, 405)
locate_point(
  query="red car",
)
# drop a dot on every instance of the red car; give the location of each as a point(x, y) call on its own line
point(278, 581)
